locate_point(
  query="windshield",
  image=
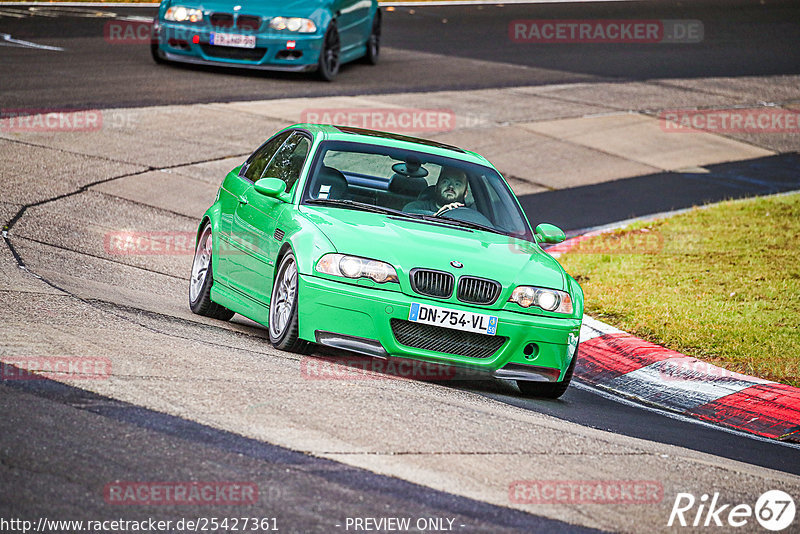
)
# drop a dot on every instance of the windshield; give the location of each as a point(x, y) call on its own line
point(414, 184)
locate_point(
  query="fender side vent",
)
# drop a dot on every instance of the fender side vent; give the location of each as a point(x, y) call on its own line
point(278, 235)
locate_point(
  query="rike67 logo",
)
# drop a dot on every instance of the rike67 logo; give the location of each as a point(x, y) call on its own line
point(774, 510)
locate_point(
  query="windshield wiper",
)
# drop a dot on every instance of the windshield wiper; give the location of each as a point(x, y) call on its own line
point(458, 222)
point(359, 206)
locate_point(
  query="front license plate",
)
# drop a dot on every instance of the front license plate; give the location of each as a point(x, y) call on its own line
point(458, 320)
point(233, 39)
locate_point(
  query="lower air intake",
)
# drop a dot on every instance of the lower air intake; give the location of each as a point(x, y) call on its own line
point(447, 340)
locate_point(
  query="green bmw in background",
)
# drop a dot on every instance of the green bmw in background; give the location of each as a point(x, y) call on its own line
point(389, 246)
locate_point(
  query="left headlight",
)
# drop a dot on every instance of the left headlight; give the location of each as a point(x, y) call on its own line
point(293, 24)
point(550, 300)
point(355, 267)
point(184, 14)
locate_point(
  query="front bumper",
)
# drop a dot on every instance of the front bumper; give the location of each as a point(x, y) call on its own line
point(176, 42)
point(359, 318)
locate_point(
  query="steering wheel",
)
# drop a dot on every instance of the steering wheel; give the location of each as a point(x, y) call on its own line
point(448, 207)
point(463, 213)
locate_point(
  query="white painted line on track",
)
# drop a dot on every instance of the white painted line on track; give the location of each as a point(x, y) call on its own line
point(14, 13)
point(56, 10)
point(6, 38)
point(679, 417)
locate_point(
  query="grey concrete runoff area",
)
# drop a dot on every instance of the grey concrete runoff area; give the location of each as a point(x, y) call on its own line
point(190, 398)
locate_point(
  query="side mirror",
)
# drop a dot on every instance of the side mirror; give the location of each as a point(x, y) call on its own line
point(271, 187)
point(550, 233)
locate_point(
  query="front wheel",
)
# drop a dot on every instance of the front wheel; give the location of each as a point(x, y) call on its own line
point(549, 390)
point(203, 278)
point(283, 305)
point(154, 51)
point(329, 58)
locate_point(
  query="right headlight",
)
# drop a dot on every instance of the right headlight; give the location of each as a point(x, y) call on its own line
point(293, 24)
point(183, 14)
point(550, 300)
point(355, 267)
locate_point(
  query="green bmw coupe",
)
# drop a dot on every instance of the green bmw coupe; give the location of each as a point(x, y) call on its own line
point(392, 247)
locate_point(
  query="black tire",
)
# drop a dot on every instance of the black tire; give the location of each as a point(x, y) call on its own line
point(283, 308)
point(330, 55)
point(374, 41)
point(549, 390)
point(154, 51)
point(202, 304)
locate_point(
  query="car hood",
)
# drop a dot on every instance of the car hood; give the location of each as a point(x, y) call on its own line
point(406, 244)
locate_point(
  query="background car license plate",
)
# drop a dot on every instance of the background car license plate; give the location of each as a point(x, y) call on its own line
point(233, 39)
point(459, 320)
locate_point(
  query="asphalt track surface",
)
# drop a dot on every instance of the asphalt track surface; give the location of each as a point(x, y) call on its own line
point(422, 52)
point(303, 493)
point(589, 206)
point(743, 39)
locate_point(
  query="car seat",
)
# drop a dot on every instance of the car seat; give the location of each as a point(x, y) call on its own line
point(329, 183)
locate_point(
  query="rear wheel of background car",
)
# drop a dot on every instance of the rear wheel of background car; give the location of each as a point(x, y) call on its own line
point(549, 390)
point(329, 58)
point(203, 278)
point(374, 41)
point(283, 305)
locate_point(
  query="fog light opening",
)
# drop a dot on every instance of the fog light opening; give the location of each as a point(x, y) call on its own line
point(289, 54)
point(531, 351)
point(178, 43)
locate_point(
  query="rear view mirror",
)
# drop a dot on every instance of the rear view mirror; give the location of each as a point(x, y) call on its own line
point(550, 233)
point(271, 187)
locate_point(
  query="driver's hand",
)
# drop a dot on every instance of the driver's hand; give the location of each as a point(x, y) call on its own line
point(448, 207)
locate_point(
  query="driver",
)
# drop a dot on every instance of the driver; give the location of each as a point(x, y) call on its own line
point(450, 191)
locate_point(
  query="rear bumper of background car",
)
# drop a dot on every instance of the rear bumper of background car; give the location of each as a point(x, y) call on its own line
point(176, 42)
point(368, 320)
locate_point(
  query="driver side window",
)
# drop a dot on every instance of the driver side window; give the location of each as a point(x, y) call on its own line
point(258, 161)
point(288, 162)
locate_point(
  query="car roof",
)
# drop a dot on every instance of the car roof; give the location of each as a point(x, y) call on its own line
point(363, 135)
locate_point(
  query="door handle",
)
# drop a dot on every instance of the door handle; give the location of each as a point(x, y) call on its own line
point(242, 201)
